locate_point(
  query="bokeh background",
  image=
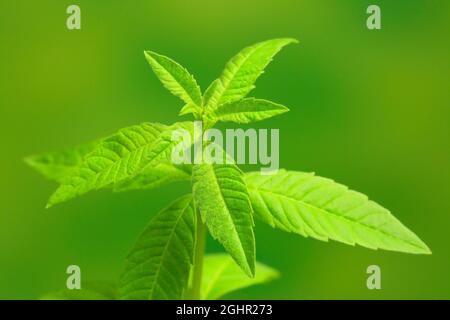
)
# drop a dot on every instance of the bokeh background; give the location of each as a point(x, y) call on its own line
point(369, 109)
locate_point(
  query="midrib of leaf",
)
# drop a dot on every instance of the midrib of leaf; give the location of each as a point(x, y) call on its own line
point(185, 80)
point(165, 249)
point(264, 203)
point(225, 87)
point(140, 149)
point(222, 198)
point(228, 216)
point(135, 153)
point(325, 212)
point(192, 97)
point(172, 233)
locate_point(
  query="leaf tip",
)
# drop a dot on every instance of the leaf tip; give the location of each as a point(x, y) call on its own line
point(284, 109)
point(290, 40)
point(251, 269)
point(52, 200)
point(56, 197)
point(250, 273)
point(30, 161)
point(419, 247)
point(149, 55)
point(425, 249)
point(27, 159)
point(276, 274)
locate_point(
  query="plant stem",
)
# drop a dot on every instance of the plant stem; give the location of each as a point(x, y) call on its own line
point(199, 247)
point(198, 258)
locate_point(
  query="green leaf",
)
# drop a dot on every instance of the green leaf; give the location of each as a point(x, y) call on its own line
point(158, 266)
point(89, 291)
point(119, 157)
point(56, 165)
point(248, 110)
point(221, 196)
point(161, 149)
point(241, 72)
point(211, 95)
point(176, 79)
point(189, 108)
point(221, 275)
point(154, 177)
point(116, 158)
point(323, 209)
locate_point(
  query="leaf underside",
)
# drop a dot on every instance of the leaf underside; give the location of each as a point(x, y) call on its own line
point(221, 196)
point(158, 266)
point(317, 207)
point(221, 275)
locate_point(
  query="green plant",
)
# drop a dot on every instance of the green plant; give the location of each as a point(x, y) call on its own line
point(167, 261)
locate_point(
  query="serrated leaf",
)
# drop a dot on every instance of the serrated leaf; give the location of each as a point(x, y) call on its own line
point(119, 157)
point(221, 196)
point(323, 209)
point(221, 275)
point(116, 158)
point(56, 165)
point(211, 95)
point(241, 72)
point(89, 291)
point(176, 79)
point(248, 110)
point(154, 177)
point(158, 266)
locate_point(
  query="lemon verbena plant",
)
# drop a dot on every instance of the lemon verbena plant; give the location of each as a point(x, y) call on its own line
point(168, 261)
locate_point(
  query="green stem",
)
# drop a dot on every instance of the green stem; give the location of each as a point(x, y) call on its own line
point(198, 259)
point(199, 248)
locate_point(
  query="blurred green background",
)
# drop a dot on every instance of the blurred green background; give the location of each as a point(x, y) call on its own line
point(369, 109)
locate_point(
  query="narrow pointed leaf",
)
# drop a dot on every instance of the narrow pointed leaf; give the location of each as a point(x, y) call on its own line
point(221, 275)
point(117, 158)
point(189, 108)
point(323, 209)
point(158, 266)
point(248, 110)
point(222, 198)
point(211, 95)
point(241, 72)
point(56, 165)
point(175, 78)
